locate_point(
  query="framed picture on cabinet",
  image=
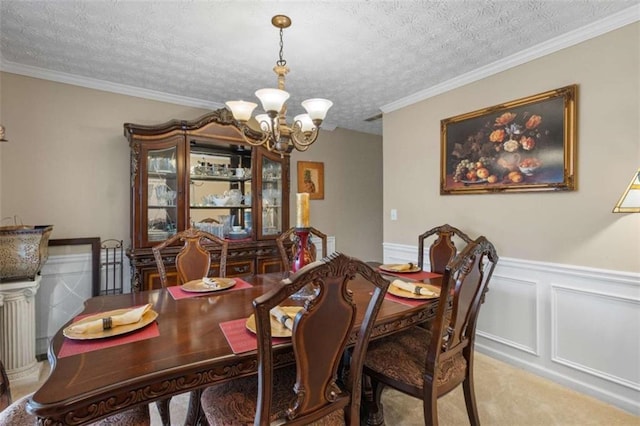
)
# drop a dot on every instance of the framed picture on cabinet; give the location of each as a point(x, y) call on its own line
point(311, 179)
point(524, 145)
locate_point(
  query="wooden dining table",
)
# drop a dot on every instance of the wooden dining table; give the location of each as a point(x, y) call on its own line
point(188, 351)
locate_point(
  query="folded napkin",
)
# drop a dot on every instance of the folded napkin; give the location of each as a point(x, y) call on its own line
point(130, 317)
point(403, 267)
point(210, 282)
point(282, 317)
point(412, 288)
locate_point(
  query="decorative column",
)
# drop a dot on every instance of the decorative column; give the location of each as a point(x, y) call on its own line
point(18, 328)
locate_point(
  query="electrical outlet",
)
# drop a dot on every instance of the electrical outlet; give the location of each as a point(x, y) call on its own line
point(394, 214)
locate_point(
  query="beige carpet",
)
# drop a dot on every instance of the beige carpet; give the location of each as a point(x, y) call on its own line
point(506, 396)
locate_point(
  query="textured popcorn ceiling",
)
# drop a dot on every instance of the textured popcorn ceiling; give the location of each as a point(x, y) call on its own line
point(363, 55)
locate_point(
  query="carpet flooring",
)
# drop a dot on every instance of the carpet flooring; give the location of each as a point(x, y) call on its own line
point(506, 396)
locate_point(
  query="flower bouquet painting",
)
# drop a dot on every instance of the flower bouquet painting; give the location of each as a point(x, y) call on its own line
point(522, 145)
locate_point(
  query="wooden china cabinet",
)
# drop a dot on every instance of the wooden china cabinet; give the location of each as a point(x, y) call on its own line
point(202, 173)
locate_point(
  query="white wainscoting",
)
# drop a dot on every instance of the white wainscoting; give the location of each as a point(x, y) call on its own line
point(331, 246)
point(66, 284)
point(577, 326)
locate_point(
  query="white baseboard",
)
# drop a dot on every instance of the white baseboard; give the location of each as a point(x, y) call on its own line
point(575, 325)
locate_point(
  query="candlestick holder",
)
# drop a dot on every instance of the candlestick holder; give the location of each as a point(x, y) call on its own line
point(302, 257)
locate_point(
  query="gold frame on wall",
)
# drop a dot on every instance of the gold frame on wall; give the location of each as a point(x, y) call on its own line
point(524, 145)
point(311, 179)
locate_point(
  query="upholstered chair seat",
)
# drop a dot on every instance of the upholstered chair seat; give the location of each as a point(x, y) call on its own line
point(401, 358)
point(234, 403)
point(16, 415)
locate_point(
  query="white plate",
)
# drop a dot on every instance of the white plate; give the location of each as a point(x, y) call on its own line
point(198, 286)
point(409, 295)
point(147, 318)
point(395, 266)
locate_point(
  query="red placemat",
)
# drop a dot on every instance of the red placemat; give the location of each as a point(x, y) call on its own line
point(75, 347)
point(416, 276)
point(242, 340)
point(178, 293)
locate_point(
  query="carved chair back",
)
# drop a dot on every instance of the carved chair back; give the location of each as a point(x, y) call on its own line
point(464, 283)
point(194, 260)
point(288, 255)
point(443, 247)
point(321, 333)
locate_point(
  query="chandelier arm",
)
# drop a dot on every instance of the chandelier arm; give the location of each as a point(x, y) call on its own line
point(303, 139)
point(246, 129)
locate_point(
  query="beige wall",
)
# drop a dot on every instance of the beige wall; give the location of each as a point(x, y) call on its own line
point(575, 228)
point(67, 163)
point(352, 205)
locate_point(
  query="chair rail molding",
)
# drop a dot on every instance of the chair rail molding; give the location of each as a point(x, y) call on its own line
point(575, 325)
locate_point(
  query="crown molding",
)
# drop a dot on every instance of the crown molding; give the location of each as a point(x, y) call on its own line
point(93, 83)
point(611, 23)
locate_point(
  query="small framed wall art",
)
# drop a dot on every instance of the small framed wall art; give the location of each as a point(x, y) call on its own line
point(311, 179)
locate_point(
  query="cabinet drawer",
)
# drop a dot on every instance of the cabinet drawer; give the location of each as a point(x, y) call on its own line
point(266, 266)
point(240, 267)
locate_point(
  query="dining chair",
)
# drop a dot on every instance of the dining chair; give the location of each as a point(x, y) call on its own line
point(442, 248)
point(15, 413)
point(428, 363)
point(193, 261)
point(316, 390)
point(289, 236)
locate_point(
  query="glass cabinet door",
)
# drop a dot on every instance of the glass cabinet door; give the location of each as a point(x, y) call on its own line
point(162, 193)
point(220, 193)
point(271, 197)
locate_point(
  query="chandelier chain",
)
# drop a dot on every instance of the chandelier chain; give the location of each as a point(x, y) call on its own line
point(281, 62)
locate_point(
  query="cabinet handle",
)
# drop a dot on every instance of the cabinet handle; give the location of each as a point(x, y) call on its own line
point(240, 269)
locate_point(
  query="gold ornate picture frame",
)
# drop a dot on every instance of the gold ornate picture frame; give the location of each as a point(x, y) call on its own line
point(524, 145)
point(311, 179)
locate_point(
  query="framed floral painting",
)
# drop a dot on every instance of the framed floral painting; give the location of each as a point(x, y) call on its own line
point(524, 145)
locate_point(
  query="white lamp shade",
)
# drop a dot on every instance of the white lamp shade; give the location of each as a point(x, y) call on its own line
point(305, 122)
point(241, 110)
point(264, 121)
point(272, 99)
point(317, 108)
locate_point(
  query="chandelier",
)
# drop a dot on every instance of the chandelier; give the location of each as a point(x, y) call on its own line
point(275, 134)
